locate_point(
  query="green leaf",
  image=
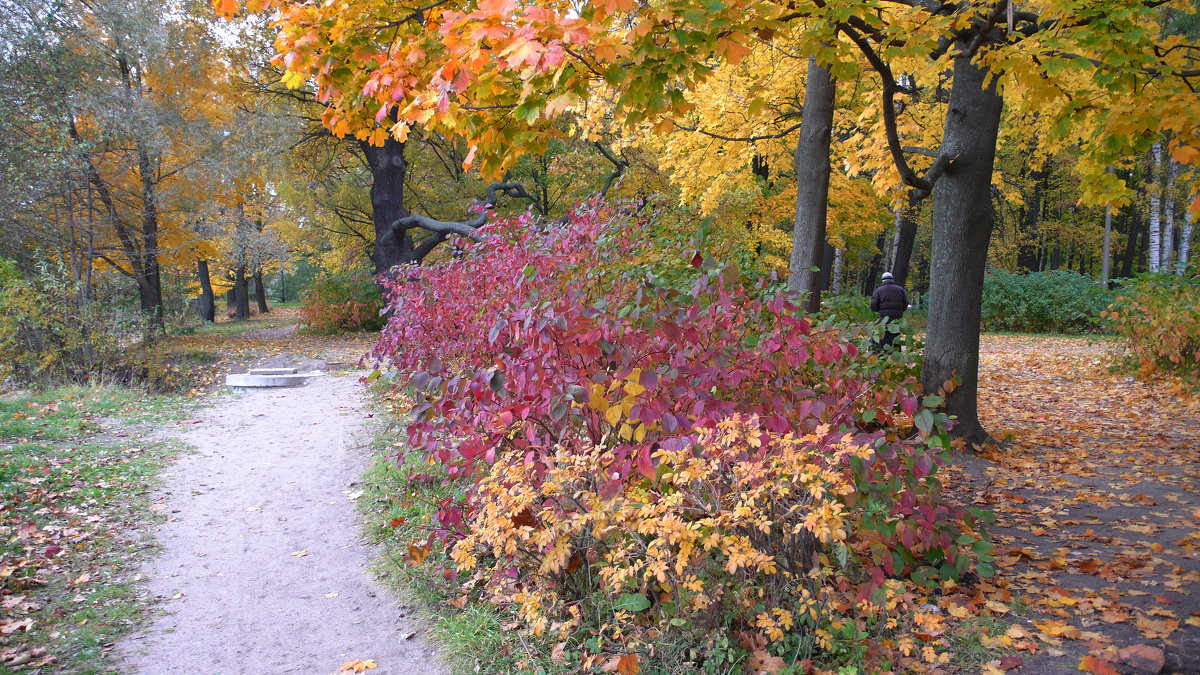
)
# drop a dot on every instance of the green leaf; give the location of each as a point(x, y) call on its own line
point(985, 570)
point(632, 602)
point(924, 420)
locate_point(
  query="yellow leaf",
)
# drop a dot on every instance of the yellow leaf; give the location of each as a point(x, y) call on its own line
point(613, 415)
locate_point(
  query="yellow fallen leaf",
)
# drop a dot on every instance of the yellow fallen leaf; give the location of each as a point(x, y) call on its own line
point(997, 607)
point(358, 665)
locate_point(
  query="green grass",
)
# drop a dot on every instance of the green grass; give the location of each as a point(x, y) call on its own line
point(76, 501)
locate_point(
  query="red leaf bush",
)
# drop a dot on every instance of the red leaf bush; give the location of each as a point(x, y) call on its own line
point(708, 450)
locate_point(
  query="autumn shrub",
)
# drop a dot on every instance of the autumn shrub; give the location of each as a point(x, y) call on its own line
point(343, 301)
point(637, 460)
point(1055, 301)
point(1157, 317)
point(49, 332)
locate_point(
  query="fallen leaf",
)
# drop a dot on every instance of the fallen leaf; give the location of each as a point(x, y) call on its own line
point(358, 666)
point(299, 554)
point(762, 662)
point(1091, 664)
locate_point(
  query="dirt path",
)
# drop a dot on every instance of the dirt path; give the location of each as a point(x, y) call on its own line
point(262, 568)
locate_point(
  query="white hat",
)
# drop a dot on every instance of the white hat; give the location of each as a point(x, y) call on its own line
point(887, 275)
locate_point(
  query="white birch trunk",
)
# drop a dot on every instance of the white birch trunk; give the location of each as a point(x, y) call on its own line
point(1155, 254)
point(1185, 243)
point(1168, 234)
point(837, 271)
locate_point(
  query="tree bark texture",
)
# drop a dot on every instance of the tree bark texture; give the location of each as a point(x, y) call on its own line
point(963, 219)
point(260, 293)
point(812, 184)
point(208, 305)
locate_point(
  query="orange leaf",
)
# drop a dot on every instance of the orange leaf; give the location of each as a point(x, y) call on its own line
point(1091, 664)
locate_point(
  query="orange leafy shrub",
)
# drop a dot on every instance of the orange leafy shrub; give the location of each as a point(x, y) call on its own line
point(347, 301)
point(1158, 320)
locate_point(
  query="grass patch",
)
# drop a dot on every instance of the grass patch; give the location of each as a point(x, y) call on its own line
point(76, 503)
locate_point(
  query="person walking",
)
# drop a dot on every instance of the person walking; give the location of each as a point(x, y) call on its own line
point(889, 301)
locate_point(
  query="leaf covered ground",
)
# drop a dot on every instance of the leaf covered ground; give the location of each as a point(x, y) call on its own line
point(1098, 510)
point(74, 480)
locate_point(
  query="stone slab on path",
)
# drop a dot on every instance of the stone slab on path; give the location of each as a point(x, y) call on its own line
point(262, 568)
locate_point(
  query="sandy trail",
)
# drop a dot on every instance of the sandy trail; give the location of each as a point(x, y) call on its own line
point(271, 479)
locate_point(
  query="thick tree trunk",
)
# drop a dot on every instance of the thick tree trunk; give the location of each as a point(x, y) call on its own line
point(812, 184)
point(208, 306)
point(230, 300)
point(963, 219)
point(241, 293)
point(260, 293)
point(393, 245)
point(906, 237)
point(1155, 198)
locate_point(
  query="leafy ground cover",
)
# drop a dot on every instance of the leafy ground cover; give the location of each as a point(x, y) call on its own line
point(74, 480)
point(1098, 509)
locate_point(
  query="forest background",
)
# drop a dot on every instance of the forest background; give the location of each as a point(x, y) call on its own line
point(1017, 166)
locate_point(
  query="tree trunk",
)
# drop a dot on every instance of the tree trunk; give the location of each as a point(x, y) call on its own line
point(876, 266)
point(906, 237)
point(241, 294)
point(1131, 243)
point(1185, 243)
point(1155, 197)
point(1104, 261)
point(838, 255)
point(260, 293)
point(812, 184)
point(230, 300)
point(827, 255)
point(393, 245)
point(1168, 241)
point(208, 307)
point(1031, 217)
point(963, 219)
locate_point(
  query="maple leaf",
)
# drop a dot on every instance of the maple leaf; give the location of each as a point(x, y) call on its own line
point(358, 666)
point(762, 662)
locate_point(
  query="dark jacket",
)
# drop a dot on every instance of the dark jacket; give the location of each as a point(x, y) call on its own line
point(889, 300)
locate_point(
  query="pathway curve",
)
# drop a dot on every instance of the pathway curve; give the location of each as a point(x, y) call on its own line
point(263, 569)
